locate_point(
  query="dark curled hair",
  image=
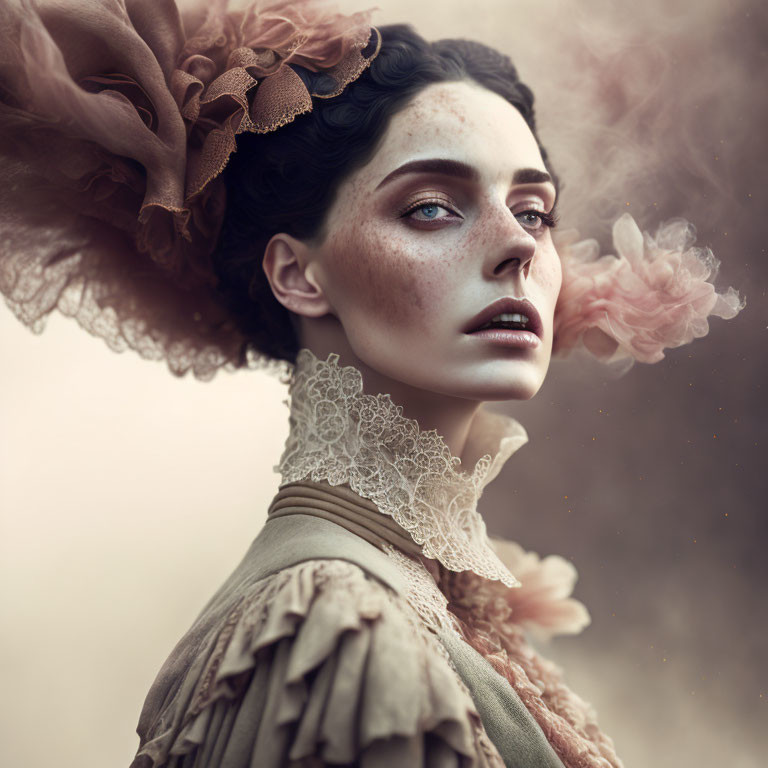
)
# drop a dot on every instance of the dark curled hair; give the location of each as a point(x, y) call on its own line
point(286, 180)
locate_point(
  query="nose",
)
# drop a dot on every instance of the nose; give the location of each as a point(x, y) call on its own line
point(512, 250)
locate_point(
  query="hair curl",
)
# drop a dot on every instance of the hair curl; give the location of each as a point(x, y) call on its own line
point(286, 181)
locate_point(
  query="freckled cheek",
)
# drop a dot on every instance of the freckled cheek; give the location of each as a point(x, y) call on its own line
point(547, 274)
point(381, 278)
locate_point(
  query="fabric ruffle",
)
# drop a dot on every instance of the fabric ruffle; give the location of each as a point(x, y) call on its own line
point(318, 662)
point(116, 120)
point(653, 295)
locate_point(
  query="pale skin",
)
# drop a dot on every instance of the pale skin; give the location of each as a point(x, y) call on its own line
point(406, 262)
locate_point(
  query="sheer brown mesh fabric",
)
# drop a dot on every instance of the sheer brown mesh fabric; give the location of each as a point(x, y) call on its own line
point(115, 123)
point(279, 99)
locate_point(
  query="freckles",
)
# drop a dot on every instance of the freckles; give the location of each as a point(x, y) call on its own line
point(451, 113)
point(477, 238)
point(374, 271)
point(388, 279)
point(547, 272)
point(402, 284)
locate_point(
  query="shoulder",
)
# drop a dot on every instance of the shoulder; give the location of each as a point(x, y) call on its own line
point(318, 661)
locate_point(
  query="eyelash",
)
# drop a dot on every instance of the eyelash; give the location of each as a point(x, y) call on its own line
point(547, 219)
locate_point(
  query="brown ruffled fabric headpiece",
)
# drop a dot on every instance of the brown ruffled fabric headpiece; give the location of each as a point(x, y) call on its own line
point(116, 120)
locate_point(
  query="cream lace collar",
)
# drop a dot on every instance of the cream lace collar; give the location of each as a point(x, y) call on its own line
point(339, 434)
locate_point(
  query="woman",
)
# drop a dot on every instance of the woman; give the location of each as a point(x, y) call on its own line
point(385, 228)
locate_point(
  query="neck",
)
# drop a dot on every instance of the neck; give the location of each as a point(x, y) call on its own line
point(343, 435)
point(450, 416)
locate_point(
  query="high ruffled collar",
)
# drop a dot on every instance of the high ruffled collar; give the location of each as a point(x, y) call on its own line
point(341, 435)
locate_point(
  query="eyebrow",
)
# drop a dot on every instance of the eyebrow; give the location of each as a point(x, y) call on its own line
point(462, 171)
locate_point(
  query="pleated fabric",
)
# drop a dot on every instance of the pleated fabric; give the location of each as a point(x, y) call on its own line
point(316, 664)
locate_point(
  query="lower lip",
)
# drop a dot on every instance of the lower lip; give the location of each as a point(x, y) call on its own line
point(521, 339)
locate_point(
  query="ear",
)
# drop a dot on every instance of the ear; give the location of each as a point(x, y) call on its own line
point(288, 267)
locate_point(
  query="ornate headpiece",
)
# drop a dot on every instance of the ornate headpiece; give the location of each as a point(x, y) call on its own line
point(116, 121)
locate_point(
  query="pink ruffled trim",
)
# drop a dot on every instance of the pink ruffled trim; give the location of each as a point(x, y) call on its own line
point(492, 618)
point(653, 295)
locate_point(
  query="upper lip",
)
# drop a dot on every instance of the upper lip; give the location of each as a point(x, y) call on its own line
point(511, 306)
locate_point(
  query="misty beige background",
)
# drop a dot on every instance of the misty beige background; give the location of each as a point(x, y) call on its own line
point(127, 495)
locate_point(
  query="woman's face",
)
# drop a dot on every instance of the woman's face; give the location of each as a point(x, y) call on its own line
point(416, 249)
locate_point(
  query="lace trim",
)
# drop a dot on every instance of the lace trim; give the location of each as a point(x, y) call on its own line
point(423, 593)
point(341, 435)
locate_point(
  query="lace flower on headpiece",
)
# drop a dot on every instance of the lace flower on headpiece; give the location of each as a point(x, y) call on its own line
point(116, 120)
point(653, 295)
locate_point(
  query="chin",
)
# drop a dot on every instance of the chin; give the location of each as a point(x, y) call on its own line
point(506, 390)
point(505, 381)
point(497, 386)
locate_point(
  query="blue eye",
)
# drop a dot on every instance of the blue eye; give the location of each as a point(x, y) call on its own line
point(430, 211)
